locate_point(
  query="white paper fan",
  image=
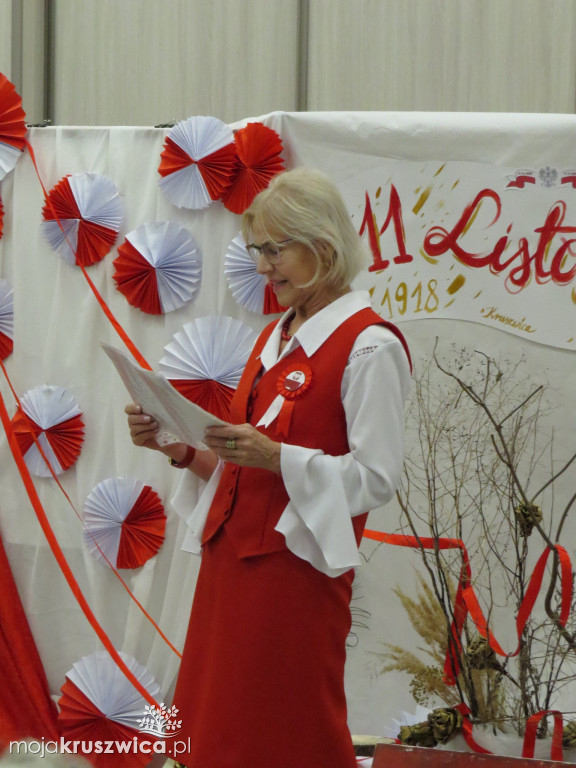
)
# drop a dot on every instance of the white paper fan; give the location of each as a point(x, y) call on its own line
point(50, 406)
point(105, 510)
point(124, 520)
point(9, 156)
point(100, 679)
point(197, 162)
point(89, 213)
point(210, 347)
point(175, 256)
point(420, 715)
point(6, 312)
point(248, 287)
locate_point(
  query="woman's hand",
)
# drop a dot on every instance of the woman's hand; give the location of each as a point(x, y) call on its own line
point(244, 445)
point(143, 428)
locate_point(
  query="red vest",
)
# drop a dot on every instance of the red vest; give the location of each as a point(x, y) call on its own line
point(250, 501)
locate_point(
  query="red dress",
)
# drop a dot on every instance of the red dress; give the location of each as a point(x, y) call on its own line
point(261, 684)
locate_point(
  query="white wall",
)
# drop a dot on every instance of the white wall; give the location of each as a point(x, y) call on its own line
point(144, 62)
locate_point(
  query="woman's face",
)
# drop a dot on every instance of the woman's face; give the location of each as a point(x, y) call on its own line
point(297, 267)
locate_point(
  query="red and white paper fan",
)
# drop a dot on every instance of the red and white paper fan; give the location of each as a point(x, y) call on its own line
point(124, 520)
point(197, 162)
point(82, 216)
point(249, 288)
point(159, 267)
point(100, 704)
point(52, 414)
point(12, 126)
point(258, 150)
point(204, 361)
point(6, 319)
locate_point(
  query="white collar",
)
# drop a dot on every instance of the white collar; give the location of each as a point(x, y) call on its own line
point(314, 332)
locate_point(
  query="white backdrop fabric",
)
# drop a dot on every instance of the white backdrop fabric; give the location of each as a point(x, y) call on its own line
point(58, 328)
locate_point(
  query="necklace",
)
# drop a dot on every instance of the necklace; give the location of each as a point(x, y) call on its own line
point(284, 333)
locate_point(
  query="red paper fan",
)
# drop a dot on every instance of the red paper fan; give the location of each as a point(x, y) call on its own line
point(6, 319)
point(65, 438)
point(52, 415)
point(12, 116)
point(142, 531)
point(124, 520)
point(159, 267)
point(81, 720)
point(207, 393)
point(136, 279)
point(258, 151)
point(82, 216)
point(197, 162)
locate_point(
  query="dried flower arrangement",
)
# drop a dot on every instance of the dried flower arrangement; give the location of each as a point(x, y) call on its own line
point(485, 478)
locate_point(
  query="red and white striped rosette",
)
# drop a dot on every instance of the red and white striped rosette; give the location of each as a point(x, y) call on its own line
point(249, 288)
point(197, 162)
point(51, 414)
point(82, 217)
point(258, 150)
point(12, 126)
point(205, 359)
point(124, 520)
point(6, 319)
point(159, 267)
point(99, 704)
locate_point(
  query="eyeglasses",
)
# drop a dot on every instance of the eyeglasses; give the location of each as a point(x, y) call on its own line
point(272, 252)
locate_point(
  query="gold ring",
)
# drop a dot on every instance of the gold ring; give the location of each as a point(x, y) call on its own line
point(231, 444)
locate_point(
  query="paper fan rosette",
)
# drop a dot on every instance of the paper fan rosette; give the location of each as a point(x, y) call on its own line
point(197, 162)
point(12, 126)
point(6, 319)
point(250, 289)
point(159, 267)
point(52, 414)
point(100, 704)
point(258, 151)
point(205, 359)
point(82, 216)
point(125, 521)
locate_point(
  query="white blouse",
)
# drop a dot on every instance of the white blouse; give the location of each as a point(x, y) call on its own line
point(326, 491)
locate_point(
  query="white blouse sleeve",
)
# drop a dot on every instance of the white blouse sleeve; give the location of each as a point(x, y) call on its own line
point(326, 491)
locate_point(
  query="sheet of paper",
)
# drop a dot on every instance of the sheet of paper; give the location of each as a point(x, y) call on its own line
point(176, 415)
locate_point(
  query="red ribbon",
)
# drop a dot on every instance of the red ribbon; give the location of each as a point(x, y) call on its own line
point(26, 480)
point(105, 308)
point(466, 601)
point(530, 734)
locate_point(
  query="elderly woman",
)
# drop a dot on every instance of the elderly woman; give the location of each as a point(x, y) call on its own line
point(315, 441)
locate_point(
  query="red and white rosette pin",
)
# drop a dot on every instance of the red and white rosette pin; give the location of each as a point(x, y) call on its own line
point(82, 217)
point(197, 162)
point(100, 704)
point(12, 126)
point(292, 383)
point(125, 521)
point(51, 414)
point(6, 319)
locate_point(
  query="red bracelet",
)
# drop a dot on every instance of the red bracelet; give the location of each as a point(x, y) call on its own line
point(186, 461)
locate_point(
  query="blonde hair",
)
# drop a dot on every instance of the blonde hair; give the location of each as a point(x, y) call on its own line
point(305, 205)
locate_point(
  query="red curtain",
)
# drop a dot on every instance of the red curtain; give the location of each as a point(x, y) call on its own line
point(26, 709)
